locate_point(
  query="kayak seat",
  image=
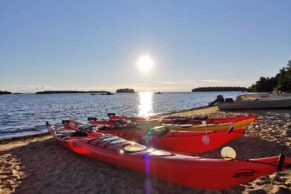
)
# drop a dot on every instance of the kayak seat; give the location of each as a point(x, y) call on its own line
point(186, 126)
point(200, 118)
point(181, 120)
point(79, 134)
point(85, 128)
point(157, 131)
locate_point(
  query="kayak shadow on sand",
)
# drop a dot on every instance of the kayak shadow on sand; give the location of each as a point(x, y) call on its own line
point(50, 168)
point(252, 147)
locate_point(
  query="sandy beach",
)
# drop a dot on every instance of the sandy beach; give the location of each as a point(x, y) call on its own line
point(39, 165)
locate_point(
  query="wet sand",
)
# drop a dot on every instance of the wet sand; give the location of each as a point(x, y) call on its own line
point(39, 165)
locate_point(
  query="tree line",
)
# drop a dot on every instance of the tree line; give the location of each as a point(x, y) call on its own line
point(5, 92)
point(281, 81)
point(220, 89)
point(125, 90)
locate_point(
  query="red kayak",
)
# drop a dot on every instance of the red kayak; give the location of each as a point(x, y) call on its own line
point(162, 138)
point(201, 119)
point(123, 120)
point(195, 172)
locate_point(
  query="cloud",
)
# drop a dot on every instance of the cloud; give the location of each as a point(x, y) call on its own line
point(230, 81)
point(206, 82)
point(166, 82)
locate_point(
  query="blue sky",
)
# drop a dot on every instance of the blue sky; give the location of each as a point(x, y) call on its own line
point(68, 44)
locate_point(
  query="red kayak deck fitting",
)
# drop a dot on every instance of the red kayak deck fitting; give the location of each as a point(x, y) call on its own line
point(195, 172)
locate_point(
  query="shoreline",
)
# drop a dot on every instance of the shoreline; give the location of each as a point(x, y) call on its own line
point(37, 164)
point(26, 137)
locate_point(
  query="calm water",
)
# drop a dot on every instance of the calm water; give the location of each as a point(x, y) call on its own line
point(27, 113)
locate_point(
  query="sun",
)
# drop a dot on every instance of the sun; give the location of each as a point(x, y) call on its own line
point(145, 63)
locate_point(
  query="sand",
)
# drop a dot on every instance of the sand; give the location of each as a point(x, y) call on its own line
point(40, 165)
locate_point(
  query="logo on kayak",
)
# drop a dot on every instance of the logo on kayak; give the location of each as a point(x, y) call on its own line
point(244, 173)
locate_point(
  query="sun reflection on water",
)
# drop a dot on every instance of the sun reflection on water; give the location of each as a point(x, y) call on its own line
point(145, 107)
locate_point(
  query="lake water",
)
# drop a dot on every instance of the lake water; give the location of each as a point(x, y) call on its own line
point(26, 114)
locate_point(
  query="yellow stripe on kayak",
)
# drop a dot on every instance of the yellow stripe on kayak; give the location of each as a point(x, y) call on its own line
point(212, 127)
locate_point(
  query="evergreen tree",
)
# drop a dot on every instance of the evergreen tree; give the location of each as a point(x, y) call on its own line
point(282, 81)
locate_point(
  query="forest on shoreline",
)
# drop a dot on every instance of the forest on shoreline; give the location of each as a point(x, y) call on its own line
point(220, 89)
point(280, 82)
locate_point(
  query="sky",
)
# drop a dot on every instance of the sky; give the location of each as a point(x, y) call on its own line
point(95, 45)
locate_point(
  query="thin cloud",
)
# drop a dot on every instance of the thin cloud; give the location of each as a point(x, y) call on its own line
point(203, 83)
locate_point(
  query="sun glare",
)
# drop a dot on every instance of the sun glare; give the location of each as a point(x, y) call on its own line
point(145, 63)
point(145, 107)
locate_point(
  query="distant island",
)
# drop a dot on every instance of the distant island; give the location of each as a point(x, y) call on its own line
point(125, 90)
point(5, 92)
point(69, 92)
point(219, 89)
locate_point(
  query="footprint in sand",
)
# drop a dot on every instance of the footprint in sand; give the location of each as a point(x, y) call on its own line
point(10, 173)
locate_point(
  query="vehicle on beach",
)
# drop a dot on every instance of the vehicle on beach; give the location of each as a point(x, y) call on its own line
point(270, 102)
